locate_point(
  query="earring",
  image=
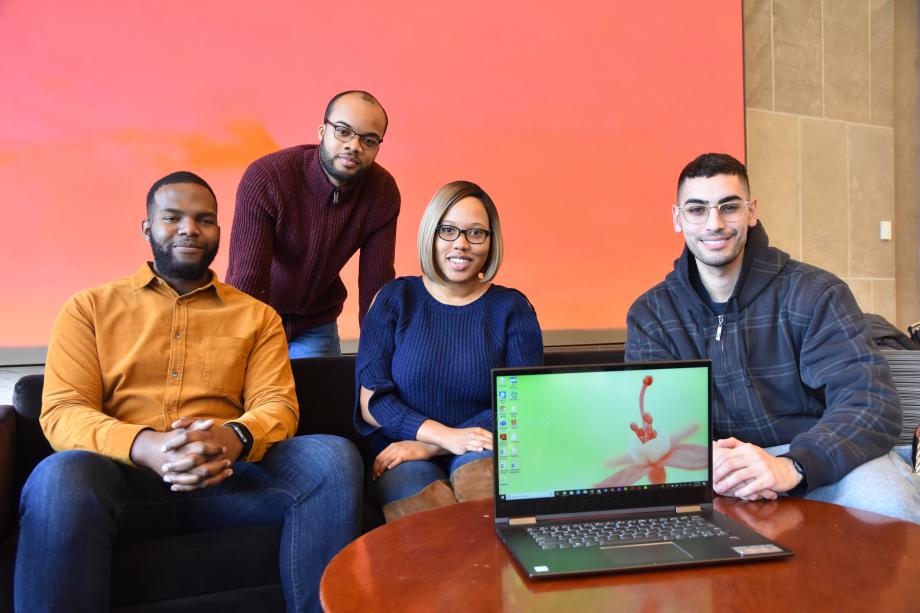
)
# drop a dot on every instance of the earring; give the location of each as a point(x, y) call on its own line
point(677, 228)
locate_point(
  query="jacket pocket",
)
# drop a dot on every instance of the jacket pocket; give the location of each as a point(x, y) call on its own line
point(225, 364)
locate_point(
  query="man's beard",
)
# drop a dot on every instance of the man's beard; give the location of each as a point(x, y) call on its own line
point(327, 161)
point(167, 266)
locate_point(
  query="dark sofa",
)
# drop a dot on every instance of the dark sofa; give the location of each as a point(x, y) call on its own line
point(166, 574)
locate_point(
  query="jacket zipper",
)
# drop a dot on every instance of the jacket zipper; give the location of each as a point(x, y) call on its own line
point(335, 196)
point(719, 329)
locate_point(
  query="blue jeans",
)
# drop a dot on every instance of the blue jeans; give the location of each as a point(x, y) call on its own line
point(410, 478)
point(77, 504)
point(885, 485)
point(318, 342)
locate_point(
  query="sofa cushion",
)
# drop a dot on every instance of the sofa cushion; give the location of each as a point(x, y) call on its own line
point(326, 395)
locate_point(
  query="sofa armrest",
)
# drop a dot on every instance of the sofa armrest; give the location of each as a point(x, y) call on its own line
point(31, 445)
point(7, 468)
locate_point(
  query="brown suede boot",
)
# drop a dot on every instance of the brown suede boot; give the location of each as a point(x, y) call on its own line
point(473, 481)
point(437, 494)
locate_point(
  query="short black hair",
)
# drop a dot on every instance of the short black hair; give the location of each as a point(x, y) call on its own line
point(180, 176)
point(712, 164)
point(366, 96)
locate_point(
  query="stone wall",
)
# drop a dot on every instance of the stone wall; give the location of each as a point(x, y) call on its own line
point(820, 109)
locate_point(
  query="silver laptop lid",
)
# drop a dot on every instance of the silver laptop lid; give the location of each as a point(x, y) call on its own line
point(601, 438)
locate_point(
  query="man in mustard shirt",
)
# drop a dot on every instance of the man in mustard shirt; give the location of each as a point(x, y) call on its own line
point(167, 392)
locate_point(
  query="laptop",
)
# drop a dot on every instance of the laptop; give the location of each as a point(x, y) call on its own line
point(604, 468)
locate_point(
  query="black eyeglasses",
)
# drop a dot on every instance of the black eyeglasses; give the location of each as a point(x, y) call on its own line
point(474, 236)
point(345, 134)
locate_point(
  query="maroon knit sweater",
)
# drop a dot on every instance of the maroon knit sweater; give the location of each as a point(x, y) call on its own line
point(293, 231)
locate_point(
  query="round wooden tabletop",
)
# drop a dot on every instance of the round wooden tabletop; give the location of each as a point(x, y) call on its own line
point(450, 559)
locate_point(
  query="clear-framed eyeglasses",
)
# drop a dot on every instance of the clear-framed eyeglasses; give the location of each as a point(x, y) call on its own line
point(474, 236)
point(345, 134)
point(698, 212)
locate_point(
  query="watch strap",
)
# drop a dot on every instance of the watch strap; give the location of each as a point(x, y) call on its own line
point(802, 488)
point(245, 436)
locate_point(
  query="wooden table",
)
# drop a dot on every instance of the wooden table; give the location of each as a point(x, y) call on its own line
point(449, 559)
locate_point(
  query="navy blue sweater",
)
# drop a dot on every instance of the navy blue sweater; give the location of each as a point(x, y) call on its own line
point(793, 361)
point(424, 359)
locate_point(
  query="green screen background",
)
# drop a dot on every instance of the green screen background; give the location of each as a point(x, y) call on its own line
point(568, 425)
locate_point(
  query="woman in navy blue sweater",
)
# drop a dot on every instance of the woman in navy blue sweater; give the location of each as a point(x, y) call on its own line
point(427, 347)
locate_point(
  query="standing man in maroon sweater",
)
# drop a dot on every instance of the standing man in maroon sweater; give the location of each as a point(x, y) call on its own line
point(302, 212)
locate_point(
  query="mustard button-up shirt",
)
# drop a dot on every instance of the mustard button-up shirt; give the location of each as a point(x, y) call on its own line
point(133, 354)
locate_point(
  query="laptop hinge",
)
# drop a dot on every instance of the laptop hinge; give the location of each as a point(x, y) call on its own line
point(522, 521)
point(689, 508)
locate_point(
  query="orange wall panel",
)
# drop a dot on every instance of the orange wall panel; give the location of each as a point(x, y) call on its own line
point(576, 118)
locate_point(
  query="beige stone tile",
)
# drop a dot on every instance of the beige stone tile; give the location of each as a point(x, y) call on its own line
point(758, 54)
point(824, 195)
point(871, 185)
point(862, 291)
point(773, 166)
point(884, 299)
point(797, 56)
point(881, 35)
point(847, 60)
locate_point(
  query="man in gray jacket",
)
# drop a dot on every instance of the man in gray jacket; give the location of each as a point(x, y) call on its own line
point(803, 402)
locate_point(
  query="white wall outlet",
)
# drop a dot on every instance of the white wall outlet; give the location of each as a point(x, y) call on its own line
point(885, 230)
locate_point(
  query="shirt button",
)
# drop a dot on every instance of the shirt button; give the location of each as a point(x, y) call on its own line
point(178, 335)
point(174, 373)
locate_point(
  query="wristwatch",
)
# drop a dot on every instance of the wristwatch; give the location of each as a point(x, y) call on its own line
point(245, 436)
point(802, 486)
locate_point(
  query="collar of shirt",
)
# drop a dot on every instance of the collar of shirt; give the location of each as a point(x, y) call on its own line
point(146, 278)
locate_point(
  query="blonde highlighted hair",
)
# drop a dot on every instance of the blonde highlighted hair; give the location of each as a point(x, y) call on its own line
point(437, 208)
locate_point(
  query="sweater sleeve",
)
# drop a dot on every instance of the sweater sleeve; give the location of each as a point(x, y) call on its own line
point(375, 265)
point(523, 347)
point(373, 371)
point(252, 237)
point(524, 338)
point(863, 415)
point(645, 337)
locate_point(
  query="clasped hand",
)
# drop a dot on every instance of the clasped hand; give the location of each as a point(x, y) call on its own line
point(749, 472)
point(434, 439)
point(194, 454)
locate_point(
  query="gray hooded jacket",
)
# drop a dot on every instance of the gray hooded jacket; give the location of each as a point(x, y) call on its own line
point(793, 360)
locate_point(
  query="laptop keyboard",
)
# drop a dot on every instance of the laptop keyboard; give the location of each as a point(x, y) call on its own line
point(623, 532)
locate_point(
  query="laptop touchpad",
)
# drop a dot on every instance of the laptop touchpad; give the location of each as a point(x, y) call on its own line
point(652, 553)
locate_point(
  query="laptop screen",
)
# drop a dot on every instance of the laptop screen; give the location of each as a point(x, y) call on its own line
point(624, 432)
